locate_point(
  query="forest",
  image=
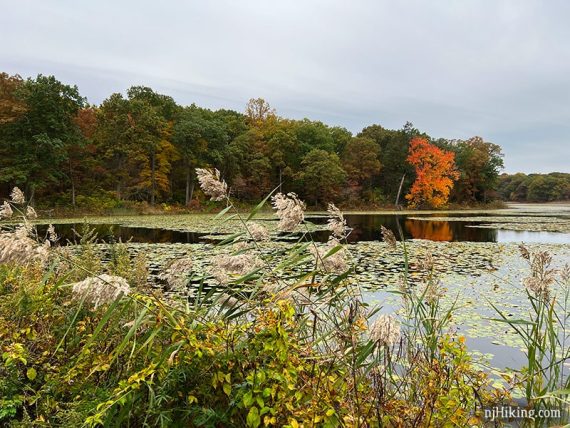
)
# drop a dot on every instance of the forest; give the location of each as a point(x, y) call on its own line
point(143, 147)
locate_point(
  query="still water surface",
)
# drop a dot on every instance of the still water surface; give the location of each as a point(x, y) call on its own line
point(366, 227)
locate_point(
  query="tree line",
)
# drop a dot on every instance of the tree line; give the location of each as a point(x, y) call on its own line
point(143, 146)
point(534, 187)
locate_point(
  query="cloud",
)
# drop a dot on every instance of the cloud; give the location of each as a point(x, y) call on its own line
point(492, 68)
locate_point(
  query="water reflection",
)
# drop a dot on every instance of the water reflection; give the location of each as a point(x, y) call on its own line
point(366, 227)
point(432, 230)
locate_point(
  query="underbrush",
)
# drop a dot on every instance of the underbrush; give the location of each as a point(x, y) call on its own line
point(89, 343)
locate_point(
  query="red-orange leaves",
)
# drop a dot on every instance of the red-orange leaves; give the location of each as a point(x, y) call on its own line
point(435, 174)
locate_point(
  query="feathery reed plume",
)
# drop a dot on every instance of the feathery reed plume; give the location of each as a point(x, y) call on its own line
point(52, 236)
point(385, 330)
point(290, 210)
point(257, 231)
point(565, 274)
point(525, 253)
point(212, 184)
point(541, 278)
point(176, 274)
point(388, 237)
point(6, 210)
point(100, 290)
point(336, 263)
point(337, 223)
point(18, 247)
point(17, 196)
point(31, 213)
point(227, 266)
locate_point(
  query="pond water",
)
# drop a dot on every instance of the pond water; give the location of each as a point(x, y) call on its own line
point(366, 227)
point(470, 262)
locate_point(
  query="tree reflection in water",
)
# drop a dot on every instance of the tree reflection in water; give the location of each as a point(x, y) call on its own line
point(432, 230)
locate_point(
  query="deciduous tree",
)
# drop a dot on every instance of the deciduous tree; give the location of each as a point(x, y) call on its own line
point(435, 174)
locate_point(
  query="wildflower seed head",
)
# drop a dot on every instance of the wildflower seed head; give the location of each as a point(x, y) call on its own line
point(212, 184)
point(17, 196)
point(289, 209)
point(6, 210)
point(388, 237)
point(385, 330)
point(337, 223)
point(100, 290)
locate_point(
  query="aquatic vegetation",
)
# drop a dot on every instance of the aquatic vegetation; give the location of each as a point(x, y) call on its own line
point(253, 332)
point(544, 331)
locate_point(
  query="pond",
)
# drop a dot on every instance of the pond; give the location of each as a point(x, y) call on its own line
point(366, 227)
point(476, 257)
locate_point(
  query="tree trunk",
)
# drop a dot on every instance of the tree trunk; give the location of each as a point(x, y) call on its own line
point(191, 190)
point(72, 185)
point(188, 197)
point(400, 190)
point(32, 194)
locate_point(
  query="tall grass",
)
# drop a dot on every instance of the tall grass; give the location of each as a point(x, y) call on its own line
point(545, 334)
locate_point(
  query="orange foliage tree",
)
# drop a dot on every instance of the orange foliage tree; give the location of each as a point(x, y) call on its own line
point(435, 174)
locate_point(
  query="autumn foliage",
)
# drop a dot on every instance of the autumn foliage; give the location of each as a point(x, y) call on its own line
point(435, 174)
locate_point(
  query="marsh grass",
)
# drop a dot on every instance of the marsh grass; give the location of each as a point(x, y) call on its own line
point(545, 379)
point(290, 343)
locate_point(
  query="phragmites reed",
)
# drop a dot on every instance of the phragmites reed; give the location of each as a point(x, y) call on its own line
point(52, 236)
point(257, 231)
point(565, 274)
point(31, 213)
point(541, 277)
point(212, 184)
point(177, 273)
point(336, 262)
point(337, 223)
point(385, 330)
point(6, 210)
point(290, 210)
point(17, 196)
point(388, 237)
point(224, 267)
point(100, 290)
point(18, 247)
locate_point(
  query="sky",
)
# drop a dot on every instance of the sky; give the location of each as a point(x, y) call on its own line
point(499, 69)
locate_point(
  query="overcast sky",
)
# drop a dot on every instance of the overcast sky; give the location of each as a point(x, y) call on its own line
point(455, 68)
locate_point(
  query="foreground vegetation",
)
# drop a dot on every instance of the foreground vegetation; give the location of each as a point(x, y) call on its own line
point(88, 343)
